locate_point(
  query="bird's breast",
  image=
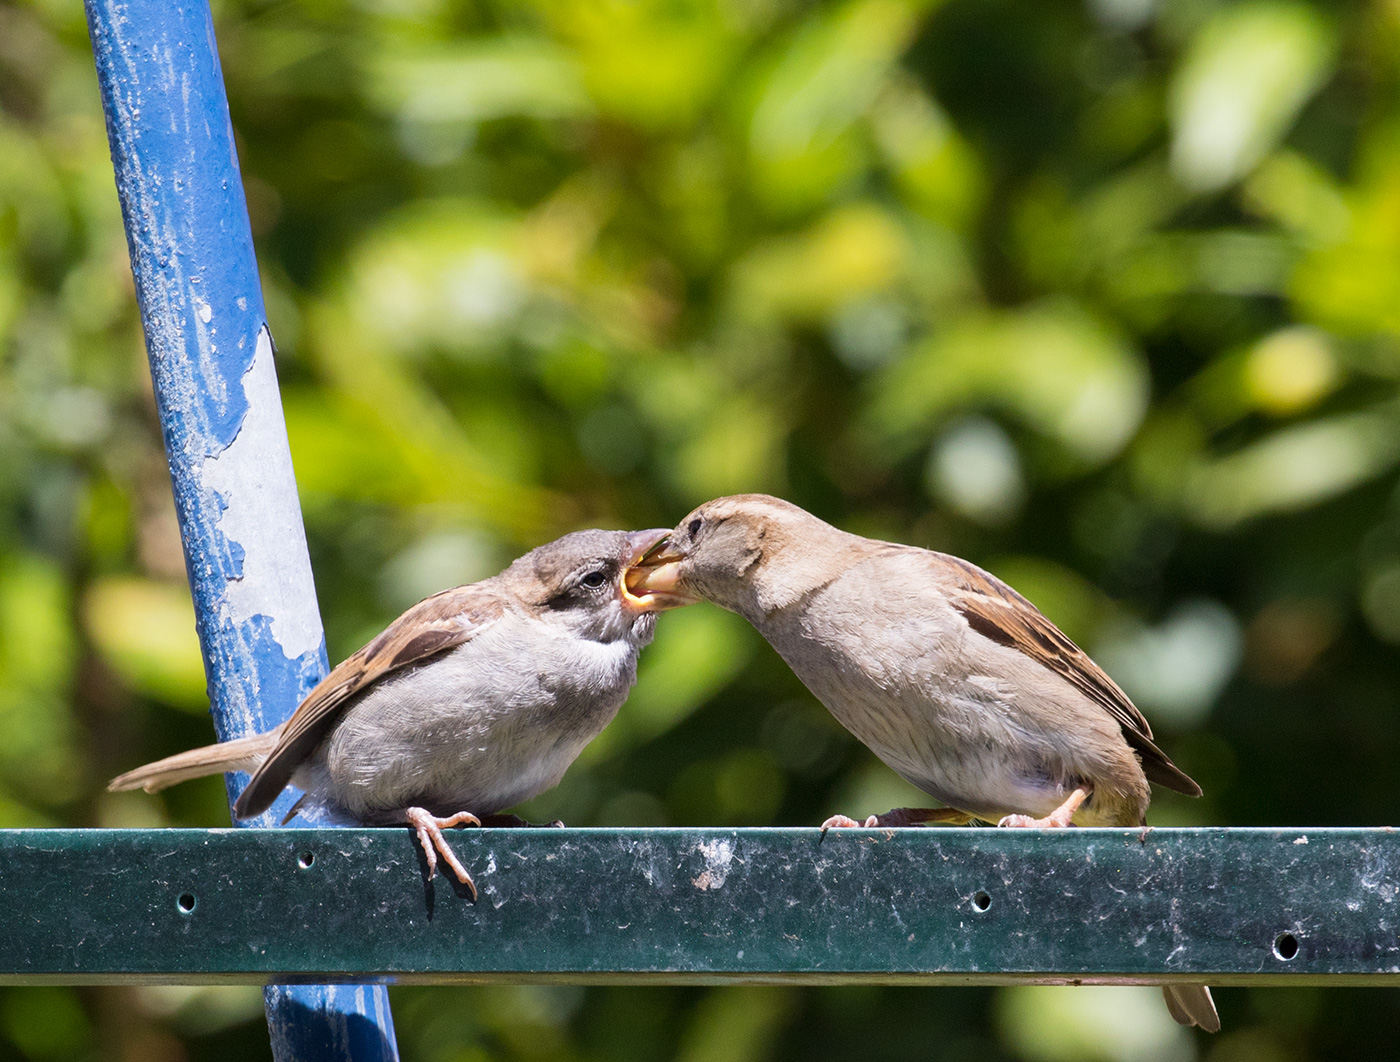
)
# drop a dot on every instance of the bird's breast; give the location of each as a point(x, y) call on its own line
point(903, 673)
point(479, 728)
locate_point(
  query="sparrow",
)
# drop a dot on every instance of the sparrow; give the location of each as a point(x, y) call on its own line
point(950, 677)
point(473, 700)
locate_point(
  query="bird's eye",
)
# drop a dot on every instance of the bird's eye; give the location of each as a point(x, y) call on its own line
point(694, 527)
point(594, 579)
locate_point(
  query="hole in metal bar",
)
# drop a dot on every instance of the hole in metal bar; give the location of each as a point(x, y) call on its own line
point(186, 902)
point(981, 900)
point(306, 859)
point(1285, 947)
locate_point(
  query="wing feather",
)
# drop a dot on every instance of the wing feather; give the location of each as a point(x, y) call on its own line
point(435, 624)
point(998, 612)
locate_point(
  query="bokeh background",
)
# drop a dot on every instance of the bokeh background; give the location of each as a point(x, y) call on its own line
point(1103, 295)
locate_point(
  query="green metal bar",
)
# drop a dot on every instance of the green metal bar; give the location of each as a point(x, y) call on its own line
point(922, 906)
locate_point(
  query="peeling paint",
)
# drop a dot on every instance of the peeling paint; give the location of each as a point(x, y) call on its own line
point(197, 284)
point(254, 480)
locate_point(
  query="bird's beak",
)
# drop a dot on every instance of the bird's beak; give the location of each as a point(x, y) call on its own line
point(650, 580)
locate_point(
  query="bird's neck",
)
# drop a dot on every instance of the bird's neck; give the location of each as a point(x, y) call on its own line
point(799, 567)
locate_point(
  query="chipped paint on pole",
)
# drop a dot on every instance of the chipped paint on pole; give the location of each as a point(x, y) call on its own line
point(211, 360)
point(253, 480)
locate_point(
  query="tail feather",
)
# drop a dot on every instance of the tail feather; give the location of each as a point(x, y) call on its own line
point(1192, 1005)
point(241, 754)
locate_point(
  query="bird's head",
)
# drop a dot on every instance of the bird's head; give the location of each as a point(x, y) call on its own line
point(577, 582)
point(749, 553)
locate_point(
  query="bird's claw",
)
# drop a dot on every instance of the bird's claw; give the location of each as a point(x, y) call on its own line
point(429, 829)
point(1061, 818)
point(845, 822)
point(1027, 822)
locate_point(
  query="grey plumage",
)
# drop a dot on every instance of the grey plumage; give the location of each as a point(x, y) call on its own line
point(473, 700)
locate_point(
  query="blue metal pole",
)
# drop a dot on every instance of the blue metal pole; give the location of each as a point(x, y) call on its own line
point(212, 361)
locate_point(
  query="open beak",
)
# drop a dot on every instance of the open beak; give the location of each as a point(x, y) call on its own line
point(649, 582)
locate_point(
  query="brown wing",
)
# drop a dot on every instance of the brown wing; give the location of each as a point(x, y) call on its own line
point(998, 612)
point(434, 624)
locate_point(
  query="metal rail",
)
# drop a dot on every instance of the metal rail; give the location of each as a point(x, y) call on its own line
point(921, 906)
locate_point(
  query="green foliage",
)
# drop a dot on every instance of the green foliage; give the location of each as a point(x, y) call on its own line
point(1102, 295)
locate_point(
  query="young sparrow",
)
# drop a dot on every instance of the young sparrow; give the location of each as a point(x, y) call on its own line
point(473, 700)
point(950, 676)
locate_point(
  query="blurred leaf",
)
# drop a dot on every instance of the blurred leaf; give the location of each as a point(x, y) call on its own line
point(31, 194)
point(737, 448)
point(1293, 468)
point(1055, 366)
point(1090, 1023)
point(1292, 189)
point(437, 561)
point(421, 442)
point(742, 788)
point(1284, 373)
point(1063, 238)
point(1177, 668)
point(852, 252)
point(36, 640)
point(146, 631)
point(1241, 84)
point(478, 80)
point(653, 62)
point(937, 169)
point(1380, 602)
point(1351, 282)
point(800, 135)
point(46, 1022)
point(199, 1010)
point(1290, 370)
point(975, 470)
point(444, 274)
point(871, 789)
point(736, 1024)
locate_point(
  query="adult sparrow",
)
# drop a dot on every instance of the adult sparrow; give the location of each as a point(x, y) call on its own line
point(950, 676)
point(473, 700)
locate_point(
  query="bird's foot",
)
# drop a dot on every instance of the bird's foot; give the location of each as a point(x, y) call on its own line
point(897, 818)
point(1026, 822)
point(1061, 818)
point(845, 822)
point(429, 829)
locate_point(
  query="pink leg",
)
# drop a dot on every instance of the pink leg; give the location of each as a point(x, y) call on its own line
point(897, 817)
point(1058, 819)
point(429, 829)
